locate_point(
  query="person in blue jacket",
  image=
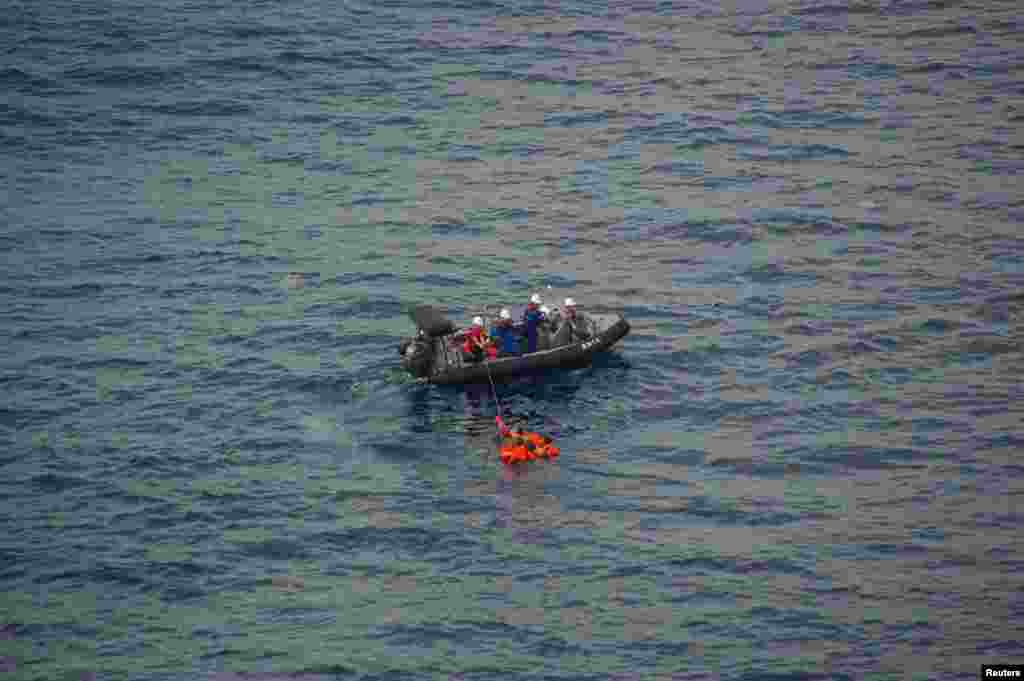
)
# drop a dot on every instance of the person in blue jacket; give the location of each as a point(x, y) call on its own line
point(504, 334)
point(531, 318)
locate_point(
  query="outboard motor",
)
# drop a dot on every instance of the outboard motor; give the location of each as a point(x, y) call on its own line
point(417, 354)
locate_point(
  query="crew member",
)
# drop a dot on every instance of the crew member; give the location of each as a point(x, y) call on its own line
point(504, 333)
point(475, 345)
point(544, 329)
point(575, 319)
point(531, 318)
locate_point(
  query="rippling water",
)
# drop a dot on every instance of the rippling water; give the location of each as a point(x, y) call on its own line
point(803, 463)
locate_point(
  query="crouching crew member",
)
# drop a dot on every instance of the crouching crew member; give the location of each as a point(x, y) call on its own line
point(477, 344)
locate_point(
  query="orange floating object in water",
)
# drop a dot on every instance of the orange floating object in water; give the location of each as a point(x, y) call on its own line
point(523, 446)
point(514, 454)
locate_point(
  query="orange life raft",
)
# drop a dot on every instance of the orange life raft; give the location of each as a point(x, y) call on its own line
point(523, 446)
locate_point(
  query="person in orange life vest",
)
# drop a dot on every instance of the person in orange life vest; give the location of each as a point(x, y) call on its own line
point(531, 318)
point(576, 319)
point(476, 343)
point(521, 446)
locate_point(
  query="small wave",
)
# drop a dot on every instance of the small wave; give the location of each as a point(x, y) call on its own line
point(342, 59)
point(14, 79)
point(713, 231)
point(933, 32)
point(797, 220)
point(911, 7)
point(112, 364)
point(938, 326)
point(439, 279)
point(207, 108)
point(16, 115)
point(456, 229)
point(253, 31)
point(223, 66)
point(682, 168)
point(802, 152)
point(684, 135)
point(125, 76)
point(86, 290)
point(731, 183)
point(295, 57)
point(277, 549)
point(54, 482)
point(872, 458)
point(420, 541)
point(862, 68)
point(808, 359)
point(1012, 26)
point(314, 672)
point(760, 33)
point(750, 517)
point(772, 273)
point(577, 119)
point(820, 327)
point(350, 278)
point(807, 118)
point(838, 9)
point(487, 41)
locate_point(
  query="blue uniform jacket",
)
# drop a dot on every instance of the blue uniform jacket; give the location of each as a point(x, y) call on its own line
point(531, 318)
point(506, 338)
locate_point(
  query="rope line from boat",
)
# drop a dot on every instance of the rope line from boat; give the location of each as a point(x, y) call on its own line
point(502, 428)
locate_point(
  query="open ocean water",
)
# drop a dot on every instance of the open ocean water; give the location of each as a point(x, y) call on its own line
point(805, 461)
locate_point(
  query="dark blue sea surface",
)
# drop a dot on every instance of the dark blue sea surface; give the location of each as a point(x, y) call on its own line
point(804, 462)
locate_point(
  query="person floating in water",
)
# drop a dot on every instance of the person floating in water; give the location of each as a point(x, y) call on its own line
point(520, 446)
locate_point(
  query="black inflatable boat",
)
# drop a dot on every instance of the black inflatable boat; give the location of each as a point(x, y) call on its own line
point(435, 355)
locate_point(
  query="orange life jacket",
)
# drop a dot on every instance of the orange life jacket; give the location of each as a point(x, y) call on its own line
point(473, 337)
point(525, 446)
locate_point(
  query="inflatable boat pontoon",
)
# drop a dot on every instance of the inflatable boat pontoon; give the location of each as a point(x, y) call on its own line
point(435, 354)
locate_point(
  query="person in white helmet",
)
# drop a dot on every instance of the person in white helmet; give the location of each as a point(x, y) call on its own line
point(552, 317)
point(575, 319)
point(476, 343)
point(504, 334)
point(544, 329)
point(531, 319)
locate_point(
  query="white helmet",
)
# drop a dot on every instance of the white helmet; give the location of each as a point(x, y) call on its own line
point(569, 302)
point(544, 309)
point(478, 321)
point(505, 314)
point(535, 299)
